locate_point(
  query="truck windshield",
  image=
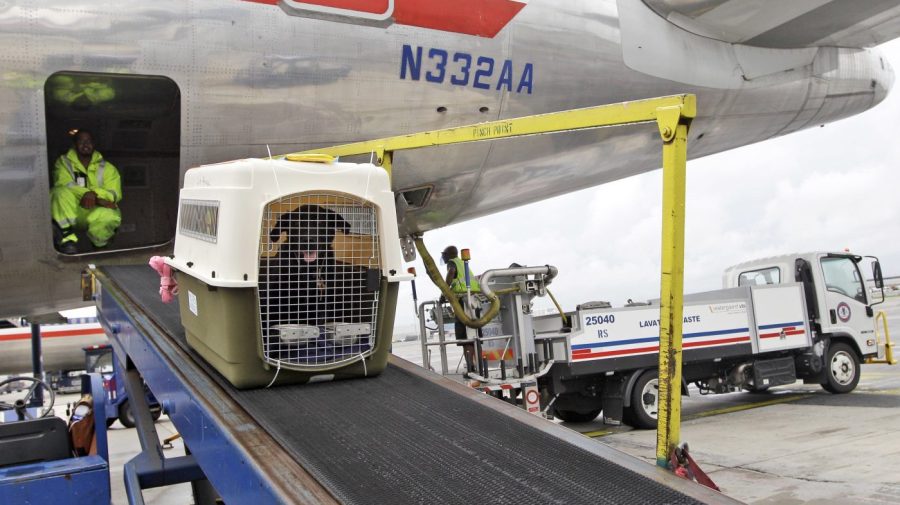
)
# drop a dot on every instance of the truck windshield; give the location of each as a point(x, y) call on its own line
point(842, 276)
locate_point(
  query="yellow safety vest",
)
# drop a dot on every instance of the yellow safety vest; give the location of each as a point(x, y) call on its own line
point(459, 283)
point(100, 176)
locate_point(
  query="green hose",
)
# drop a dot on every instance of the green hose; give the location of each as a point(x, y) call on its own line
point(562, 314)
point(504, 291)
point(435, 275)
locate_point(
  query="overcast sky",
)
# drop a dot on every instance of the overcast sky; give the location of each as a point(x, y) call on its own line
point(825, 188)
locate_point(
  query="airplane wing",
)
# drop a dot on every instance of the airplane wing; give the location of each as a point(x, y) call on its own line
point(786, 25)
point(741, 44)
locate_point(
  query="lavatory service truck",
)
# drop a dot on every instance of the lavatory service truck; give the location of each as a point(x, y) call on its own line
point(777, 320)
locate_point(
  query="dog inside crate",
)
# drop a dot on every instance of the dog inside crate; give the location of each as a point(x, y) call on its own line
point(319, 281)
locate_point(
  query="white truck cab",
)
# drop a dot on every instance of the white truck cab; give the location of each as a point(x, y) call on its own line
point(838, 300)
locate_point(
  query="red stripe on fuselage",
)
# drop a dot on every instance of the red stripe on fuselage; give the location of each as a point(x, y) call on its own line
point(483, 18)
point(52, 334)
point(370, 6)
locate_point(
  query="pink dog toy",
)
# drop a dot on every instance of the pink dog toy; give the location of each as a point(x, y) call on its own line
point(168, 287)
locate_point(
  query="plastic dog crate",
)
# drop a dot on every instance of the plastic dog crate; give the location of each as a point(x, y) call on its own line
point(288, 269)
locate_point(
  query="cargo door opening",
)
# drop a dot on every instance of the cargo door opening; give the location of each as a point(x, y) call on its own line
point(135, 122)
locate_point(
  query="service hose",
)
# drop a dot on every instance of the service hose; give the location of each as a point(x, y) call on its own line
point(562, 314)
point(452, 297)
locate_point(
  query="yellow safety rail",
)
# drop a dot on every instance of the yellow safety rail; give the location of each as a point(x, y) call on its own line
point(673, 115)
point(671, 307)
point(888, 347)
point(666, 111)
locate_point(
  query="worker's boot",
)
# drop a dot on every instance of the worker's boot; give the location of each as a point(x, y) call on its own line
point(470, 365)
point(68, 244)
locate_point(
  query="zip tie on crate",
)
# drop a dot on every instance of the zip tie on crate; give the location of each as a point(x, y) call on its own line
point(168, 286)
point(276, 375)
point(365, 370)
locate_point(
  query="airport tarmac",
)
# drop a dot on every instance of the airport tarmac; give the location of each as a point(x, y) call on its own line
point(793, 444)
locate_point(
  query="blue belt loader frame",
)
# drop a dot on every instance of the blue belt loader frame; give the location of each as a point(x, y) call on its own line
point(209, 424)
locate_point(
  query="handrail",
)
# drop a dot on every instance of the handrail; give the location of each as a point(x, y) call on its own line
point(888, 347)
point(666, 111)
point(548, 272)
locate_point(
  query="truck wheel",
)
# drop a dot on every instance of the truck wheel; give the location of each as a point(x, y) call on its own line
point(155, 413)
point(576, 408)
point(841, 369)
point(645, 401)
point(126, 417)
point(571, 416)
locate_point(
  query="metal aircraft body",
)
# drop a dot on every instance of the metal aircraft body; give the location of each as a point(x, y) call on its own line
point(61, 347)
point(173, 84)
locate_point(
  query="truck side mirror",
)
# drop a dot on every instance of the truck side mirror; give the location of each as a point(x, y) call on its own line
point(876, 273)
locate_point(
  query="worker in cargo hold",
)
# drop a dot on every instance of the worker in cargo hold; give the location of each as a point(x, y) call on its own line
point(456, 279)
point(85, 195)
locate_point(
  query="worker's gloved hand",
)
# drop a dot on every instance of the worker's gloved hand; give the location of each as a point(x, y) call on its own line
point(89, 200)
point(109, 204)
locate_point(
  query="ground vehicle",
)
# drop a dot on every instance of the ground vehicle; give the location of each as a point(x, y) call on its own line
point(777, 320)
point(101, 360)
point(36, 451)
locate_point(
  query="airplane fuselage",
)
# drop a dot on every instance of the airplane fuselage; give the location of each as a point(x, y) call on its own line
point(258, 77)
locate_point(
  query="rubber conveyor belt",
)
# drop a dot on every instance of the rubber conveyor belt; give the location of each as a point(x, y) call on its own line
point(410, 436)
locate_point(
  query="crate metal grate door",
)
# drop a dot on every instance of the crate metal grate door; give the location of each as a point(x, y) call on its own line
point(319, 276)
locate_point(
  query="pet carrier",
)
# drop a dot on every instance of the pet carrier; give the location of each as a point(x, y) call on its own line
point(288, 270)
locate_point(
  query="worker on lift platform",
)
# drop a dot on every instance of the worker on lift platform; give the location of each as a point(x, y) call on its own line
point(85, 195)
point(456, 279)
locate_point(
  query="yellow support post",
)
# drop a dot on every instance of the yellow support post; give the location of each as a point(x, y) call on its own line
point(674, 129)
point(387, 162)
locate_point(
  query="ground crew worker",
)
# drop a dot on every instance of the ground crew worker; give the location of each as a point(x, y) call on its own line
point(456, 279)
point(85, 195)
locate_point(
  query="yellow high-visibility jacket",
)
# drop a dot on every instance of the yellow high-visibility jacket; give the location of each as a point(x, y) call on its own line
point(100, 176)
point(459, 283)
